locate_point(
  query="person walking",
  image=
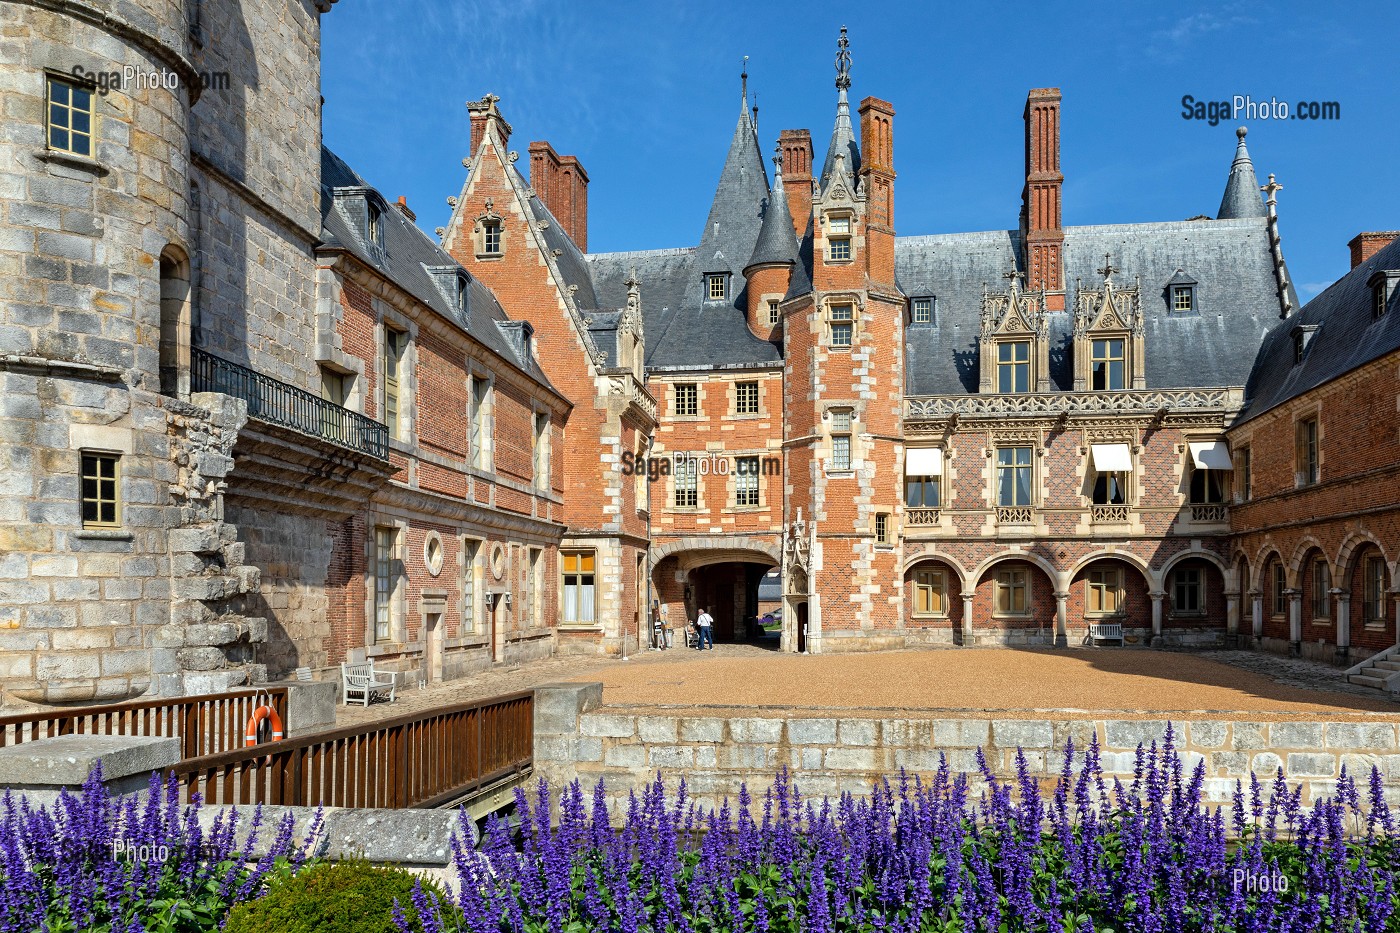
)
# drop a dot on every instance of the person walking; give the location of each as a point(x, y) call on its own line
point(705, 623)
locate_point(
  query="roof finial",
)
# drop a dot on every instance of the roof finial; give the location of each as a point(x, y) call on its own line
point(1271, 189)
point(843, 61)
point(1108, 268)
point(744, 78)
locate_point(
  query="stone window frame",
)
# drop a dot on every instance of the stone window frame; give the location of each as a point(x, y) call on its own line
point(469, 562)
point(1028, 342)
point(534, 586)
point(716, 286)
point(740, 385)
point(1245, 471)
point(999, 584)
point(687, 468)
point(925, 480)
point(693, 387)
point(830, 305)
point(755, 488)
point(834, 431)
point(931, 308)
point(52, 78)
point(834, 236)
point(564, 574)
point(1309, 473)
point(1034, 466)
point(398, 583)
point(481, 421)
point(540, 448)
point(940, 589)
point(1124, 360)
point(99, 457)
point(884, 530)
point(1179, 584)
point(403, 431)
point(1117, 586)
point(1183, 291)
point(775, 311)
point(433, 564)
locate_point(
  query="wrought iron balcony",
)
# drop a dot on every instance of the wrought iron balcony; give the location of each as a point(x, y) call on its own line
point(278, 403)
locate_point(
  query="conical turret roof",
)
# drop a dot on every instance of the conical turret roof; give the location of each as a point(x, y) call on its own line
point(1242, 198)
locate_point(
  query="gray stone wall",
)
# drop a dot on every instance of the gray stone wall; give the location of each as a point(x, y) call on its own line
point(716, 754)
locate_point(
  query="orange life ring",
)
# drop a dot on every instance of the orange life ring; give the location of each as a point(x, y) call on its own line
point(259, 715)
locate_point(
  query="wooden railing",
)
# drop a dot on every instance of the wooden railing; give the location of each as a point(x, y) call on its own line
point(416, 760)
point(206, 724)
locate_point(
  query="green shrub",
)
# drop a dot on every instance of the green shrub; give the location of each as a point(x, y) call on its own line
point(333, 897)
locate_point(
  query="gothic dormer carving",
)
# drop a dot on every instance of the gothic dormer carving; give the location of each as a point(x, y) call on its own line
point(1014, 339)
point(1108, 348)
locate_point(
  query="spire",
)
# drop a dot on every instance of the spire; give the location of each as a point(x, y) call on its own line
point(776, 241)
point(736, 214)
point(843, 136)
point(744, 80)
point(1242, 190)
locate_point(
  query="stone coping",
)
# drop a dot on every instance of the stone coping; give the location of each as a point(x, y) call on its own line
point(905, 712)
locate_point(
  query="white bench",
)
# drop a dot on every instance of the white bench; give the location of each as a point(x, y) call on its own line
point(365, 683)
point(1105, 631)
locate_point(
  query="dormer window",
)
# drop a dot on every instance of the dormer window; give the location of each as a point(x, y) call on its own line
point(491, 238)
point(1302, 337)
point(1181, 293)
point(1380, 296)
point(1383, 284)
point(375, 226)
point(921, 310)
point(1013, 367)
point(1109, 374)
point(1183, 298)
point(716, 286)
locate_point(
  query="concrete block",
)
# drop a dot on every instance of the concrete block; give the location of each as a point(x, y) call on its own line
point(859, 732)
point(1022, 733)
point(67, 760)
point(811, 731)
point(756, 730)
point(1359, 735)
point(1295, 735)
point(705, 729)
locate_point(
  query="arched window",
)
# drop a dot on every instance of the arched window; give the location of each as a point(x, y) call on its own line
point(174, 322)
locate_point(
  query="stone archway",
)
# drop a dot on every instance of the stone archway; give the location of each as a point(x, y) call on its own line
point(718, 574)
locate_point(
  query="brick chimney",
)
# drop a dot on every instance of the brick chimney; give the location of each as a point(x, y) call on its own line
point(482, 113)
point(877, 181)
point(1042, 234)
point(562, 184)
point(404, 209)
point(796, 146)
point(1365, 245)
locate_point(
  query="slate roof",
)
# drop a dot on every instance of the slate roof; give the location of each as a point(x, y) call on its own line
point(1347, 336)
point(684, 331)
point(776, 240)
point(1236, 295)
point(409, 253)
point(843, 140)
point(1242, 197)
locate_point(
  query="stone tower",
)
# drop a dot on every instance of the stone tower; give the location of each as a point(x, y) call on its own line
point(141, 140)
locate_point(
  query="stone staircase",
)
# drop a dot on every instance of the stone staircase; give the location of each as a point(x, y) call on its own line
point(1380, 671)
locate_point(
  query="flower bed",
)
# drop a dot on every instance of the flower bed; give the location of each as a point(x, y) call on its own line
point(916, 856)
point(94, 863)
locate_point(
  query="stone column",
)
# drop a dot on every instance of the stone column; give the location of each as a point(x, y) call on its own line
point(1156, 598)
point(1343, 603)
point(1232, 620)
point(1061, 620)
point(1256, 600)
point(967, 619)
point(1295, 622)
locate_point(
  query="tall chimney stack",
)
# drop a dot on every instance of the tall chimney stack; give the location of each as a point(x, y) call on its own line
point(1042, 234)
point(877, 181)
point(796, 146)
point(562, 184)
point(1365, 245)
point(483, 113)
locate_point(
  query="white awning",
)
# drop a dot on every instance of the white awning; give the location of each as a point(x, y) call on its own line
point(1112, 458)
point(923, 461)
point(1214, 455)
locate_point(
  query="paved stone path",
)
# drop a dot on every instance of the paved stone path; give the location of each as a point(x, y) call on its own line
point(1125, 682)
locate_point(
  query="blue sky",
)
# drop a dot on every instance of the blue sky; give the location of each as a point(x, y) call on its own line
point(647, 94)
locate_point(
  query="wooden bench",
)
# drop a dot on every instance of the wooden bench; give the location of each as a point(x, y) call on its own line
point(1105, 631)
point(363, 681)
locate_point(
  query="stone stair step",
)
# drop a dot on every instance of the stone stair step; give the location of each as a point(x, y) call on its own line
point(1368, 680)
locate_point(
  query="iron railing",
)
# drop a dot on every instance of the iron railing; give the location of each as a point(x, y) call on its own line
point(277, 402)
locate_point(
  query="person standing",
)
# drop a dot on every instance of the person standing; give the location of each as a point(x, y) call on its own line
point(706, 626)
